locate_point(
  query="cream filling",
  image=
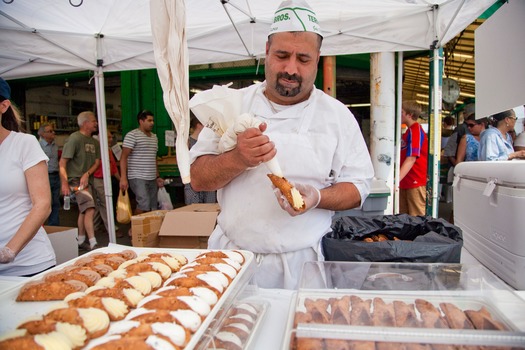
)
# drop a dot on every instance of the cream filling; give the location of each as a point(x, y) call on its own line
point(248, 308)
point(196, 304)
point(232, 263)
point(94, 320)
point(229, 337)
point(297, 199)
point(173, 331)
point(206, 294)
point(212, 281)
point(243, 317)
point(172, 262)
point(236, 256)
point(181, 258)
point(133, 296)
point(154, 278)
point(142, 284)
point(120, 327)
point(226, 269)
point(105, 282)
point(148, 299)
point(53, 341)
point(218, 276)
point(115, 307)
point(188, 319)
point(138, 312)
point(76, 334)
point(96, 287)
point(164, 270)
point(73, 296)
point(118, 274)
point(158, 343)
point(240, 326)
point(129, 262)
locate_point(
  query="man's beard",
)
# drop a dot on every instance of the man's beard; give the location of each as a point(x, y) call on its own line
point(286, 92)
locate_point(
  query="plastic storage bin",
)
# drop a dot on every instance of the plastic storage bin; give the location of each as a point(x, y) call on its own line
point(383, 305)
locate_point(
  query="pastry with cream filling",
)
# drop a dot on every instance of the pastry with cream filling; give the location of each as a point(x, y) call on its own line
point(292, 195)
point(115, 308)
point(223, 254)
point(117, 342)
point(95, 321)
point(44, 291)
point(130, 296)
point(192, 302)
point(75, 333)
point(188, 319)
point(171, 332)
point(86, 275)
point(21, 340)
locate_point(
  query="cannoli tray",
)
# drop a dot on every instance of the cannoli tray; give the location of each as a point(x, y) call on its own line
point(16, 312)
point(384, 305)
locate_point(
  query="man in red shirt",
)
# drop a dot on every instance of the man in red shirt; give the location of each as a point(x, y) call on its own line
point(414, 155)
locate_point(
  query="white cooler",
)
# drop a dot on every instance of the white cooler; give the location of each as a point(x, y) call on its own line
point(489, 206)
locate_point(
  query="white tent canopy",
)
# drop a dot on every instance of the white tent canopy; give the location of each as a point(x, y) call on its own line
point(44, 37)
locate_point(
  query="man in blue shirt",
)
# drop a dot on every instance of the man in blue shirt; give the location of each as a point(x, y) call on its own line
point(47, 142)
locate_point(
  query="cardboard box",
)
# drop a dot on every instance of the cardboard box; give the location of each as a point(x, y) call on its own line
point(189, 226)
point(64, 242)
point(145, 228)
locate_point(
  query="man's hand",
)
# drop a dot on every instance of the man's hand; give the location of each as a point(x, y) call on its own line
point(311, 197)
point(160, 182)
point(124, 184)
point(6, 255)
point(253, 147)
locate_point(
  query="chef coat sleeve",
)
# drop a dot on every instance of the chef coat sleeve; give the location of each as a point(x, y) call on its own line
point(352, 161)
point(208, 143)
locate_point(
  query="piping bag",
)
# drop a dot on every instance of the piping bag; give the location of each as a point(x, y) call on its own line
point(220, 110)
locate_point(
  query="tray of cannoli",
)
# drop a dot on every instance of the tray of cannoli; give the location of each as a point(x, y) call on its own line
point(343, 305)
point(125, 297)
point(237, 327)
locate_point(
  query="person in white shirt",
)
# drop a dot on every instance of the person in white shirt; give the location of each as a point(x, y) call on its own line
point(316, 141)
point(25, 197)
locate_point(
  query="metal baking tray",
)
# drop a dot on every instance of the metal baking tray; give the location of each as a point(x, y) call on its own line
point(14, 313)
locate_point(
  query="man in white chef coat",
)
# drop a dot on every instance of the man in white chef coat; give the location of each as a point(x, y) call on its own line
point(316, 141)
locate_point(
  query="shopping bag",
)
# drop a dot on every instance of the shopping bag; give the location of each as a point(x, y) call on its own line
point(123, 208)
point(163, 199)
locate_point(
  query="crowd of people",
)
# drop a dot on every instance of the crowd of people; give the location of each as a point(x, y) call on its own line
point(315, 139)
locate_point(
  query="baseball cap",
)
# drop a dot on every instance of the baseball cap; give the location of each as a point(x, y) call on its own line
point(5, 90)
point(295, 16)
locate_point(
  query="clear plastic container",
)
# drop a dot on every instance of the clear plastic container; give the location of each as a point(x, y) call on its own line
point(390, 304)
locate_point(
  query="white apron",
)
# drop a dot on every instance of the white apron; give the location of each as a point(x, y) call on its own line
point(252, 219)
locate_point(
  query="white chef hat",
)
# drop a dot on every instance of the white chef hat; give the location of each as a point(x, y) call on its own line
point(295, 16)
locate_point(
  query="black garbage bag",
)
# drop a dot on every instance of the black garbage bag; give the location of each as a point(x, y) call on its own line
point(420, 239)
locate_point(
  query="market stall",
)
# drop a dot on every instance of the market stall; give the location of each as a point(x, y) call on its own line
point(273, 309)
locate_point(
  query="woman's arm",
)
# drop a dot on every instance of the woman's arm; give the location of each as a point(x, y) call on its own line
point(40, 193)
point(462, 150)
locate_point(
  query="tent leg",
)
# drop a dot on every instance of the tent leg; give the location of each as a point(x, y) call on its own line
point(104, 150)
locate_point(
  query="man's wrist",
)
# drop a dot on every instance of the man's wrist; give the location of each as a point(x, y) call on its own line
point(87, 172)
